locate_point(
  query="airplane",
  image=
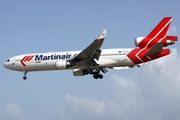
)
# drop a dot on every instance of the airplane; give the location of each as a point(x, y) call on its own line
point(93, 60)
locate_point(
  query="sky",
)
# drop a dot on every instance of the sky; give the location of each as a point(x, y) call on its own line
point(150, 92)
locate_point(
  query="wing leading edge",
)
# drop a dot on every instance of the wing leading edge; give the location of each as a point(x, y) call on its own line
point(93, 51)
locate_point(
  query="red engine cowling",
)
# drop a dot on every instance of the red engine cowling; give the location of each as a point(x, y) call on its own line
point(149, 42)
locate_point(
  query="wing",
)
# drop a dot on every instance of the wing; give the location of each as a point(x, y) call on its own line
point(93, 51)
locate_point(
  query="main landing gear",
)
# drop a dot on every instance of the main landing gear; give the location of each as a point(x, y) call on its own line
point(24, 77)
point(96, 73)
point(96, 76)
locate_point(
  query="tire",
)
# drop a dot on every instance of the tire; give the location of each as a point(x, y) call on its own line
point(95, 76)
point(24, 77)
point(100, 76)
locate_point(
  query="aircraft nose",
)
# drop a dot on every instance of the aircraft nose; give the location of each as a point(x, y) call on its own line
point(5, 65)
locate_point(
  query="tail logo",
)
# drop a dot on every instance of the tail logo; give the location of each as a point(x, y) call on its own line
point(26, 59)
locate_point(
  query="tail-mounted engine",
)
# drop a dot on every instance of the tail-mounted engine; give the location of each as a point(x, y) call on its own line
point(64, 64)
point(149, 42)
point(169, 40)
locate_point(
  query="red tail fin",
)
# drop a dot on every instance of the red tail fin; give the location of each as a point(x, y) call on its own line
point(161, 29)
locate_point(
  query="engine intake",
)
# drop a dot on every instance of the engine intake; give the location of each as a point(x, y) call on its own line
point(138, 40)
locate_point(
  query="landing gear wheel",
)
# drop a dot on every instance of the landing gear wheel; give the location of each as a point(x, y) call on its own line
point(95, 76)
point(90, 72)
point(24, 77)
point(100, 76)
point(85, 72)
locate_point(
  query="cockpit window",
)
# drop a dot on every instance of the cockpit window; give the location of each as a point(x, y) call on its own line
point(8, 60)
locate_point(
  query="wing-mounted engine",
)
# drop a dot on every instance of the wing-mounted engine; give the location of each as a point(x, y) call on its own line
point(64, 64)
point(78, 72)
point(149, 42)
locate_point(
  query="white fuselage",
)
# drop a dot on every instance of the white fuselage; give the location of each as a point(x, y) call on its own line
point(48, 61)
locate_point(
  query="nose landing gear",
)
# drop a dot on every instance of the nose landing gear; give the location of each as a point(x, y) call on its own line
point(24, 77)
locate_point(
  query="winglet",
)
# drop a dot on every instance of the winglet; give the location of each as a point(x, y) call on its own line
point(103, 34)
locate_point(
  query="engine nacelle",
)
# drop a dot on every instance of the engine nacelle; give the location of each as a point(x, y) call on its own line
point(64, 64)
point(143, 41)
point(138, 40)
point(78, 72)
point(168, 42)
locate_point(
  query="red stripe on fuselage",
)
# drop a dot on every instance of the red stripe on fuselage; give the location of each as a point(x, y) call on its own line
point(142, 55)
point(136, 54)
point(26, 58)
point(30, 58)
point(132, 56)
point(22, 61)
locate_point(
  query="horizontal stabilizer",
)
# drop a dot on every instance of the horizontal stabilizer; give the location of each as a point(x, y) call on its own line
point(157, 48)
point(173, 38)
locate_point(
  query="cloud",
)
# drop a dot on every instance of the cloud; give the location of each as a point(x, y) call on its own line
point(87, 108)
point(167, 70)
point(153, 93)
point(14, 109)
point(93, 105)
point(172, 30)
point(126, 104)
